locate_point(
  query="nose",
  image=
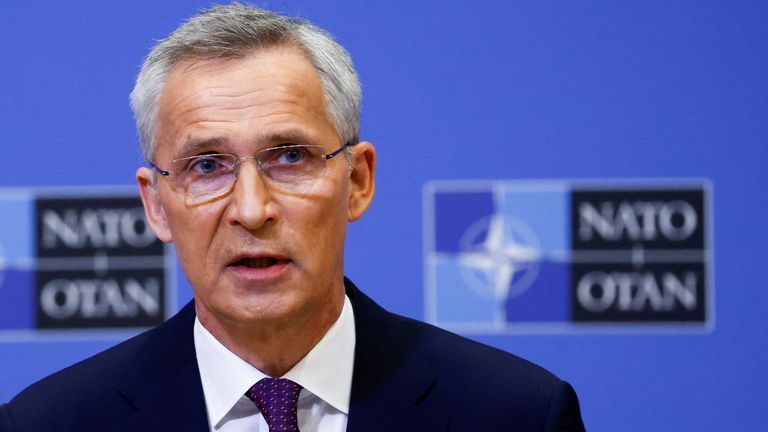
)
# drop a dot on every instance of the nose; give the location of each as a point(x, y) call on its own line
point(251, 203)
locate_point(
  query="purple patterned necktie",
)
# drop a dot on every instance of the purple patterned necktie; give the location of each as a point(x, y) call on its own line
point(277, 399)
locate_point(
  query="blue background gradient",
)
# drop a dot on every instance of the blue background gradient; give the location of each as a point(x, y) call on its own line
point(466, 90)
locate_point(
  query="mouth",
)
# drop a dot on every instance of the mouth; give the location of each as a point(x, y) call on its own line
point(262, 262)
point(257, 263)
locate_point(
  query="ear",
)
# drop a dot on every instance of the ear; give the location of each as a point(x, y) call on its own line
point(361, 180)
point(153, 209)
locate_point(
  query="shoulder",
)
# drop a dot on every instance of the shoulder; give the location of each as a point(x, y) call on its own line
point(90, 389)
point(390, 337)
point(467, 361)
point(88, 386)
point(501, 387)
point(454, 376)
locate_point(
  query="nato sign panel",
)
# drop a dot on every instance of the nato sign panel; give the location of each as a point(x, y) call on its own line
point(79, 259)
point(505, 256)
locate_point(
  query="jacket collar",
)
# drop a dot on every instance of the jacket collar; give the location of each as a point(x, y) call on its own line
point(392, 380)
point(165, 388)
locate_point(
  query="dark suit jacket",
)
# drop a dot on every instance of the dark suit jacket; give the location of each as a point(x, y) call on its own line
point(408, 376)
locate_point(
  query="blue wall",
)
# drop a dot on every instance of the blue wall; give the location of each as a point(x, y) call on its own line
point(468, 90)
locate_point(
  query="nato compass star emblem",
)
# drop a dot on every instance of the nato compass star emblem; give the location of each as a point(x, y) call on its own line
point(499, 259)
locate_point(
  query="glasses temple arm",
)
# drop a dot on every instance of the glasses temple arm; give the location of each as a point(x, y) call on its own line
point(337, 151)
point(160, 170)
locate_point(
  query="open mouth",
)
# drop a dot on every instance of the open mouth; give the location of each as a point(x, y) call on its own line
point(261, 262)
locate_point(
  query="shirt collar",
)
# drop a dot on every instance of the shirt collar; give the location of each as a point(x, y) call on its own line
point(326, 371)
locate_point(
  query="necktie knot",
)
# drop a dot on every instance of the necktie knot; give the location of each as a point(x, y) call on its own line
point(277, 399)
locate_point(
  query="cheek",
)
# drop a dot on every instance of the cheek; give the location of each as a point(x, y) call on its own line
point(317, 221)
point(192, 231)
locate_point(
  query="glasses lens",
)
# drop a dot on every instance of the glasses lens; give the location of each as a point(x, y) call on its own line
point(294, 165)
point(204, 176)
point(289, 168)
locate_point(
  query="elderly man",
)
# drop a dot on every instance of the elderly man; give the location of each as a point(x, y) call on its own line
point(249, 121)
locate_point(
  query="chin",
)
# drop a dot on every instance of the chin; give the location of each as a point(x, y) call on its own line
point(266, 309)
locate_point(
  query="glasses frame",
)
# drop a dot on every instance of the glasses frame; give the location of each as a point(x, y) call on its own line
point(240, 160)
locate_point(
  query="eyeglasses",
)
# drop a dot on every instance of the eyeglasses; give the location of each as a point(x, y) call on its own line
point(287, 168)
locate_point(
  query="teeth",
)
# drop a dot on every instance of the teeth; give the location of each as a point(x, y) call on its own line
point(258, 262)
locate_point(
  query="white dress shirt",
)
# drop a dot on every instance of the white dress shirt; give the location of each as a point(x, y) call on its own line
point(325, 374)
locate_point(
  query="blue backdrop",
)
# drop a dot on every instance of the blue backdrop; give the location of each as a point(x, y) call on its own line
point(467, 90)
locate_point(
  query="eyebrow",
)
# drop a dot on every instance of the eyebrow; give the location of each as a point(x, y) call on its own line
point(289, 136)
point(196, 145)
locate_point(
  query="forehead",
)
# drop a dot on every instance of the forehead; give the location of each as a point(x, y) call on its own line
point(269, 92)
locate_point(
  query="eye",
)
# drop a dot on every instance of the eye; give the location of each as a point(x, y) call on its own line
point(292, 155)
point(204, 164)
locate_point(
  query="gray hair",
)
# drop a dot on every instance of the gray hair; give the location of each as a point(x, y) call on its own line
point(231, 32)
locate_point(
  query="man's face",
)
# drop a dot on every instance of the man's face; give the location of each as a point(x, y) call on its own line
point(256, 255)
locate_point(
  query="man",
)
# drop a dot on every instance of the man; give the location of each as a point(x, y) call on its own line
point(250, 124)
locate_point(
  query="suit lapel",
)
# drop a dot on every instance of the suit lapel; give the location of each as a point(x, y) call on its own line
point(391, 381)
point(166, 390)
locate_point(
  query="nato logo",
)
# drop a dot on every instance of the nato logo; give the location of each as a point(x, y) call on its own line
point(558, 256)
point(75, 259)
